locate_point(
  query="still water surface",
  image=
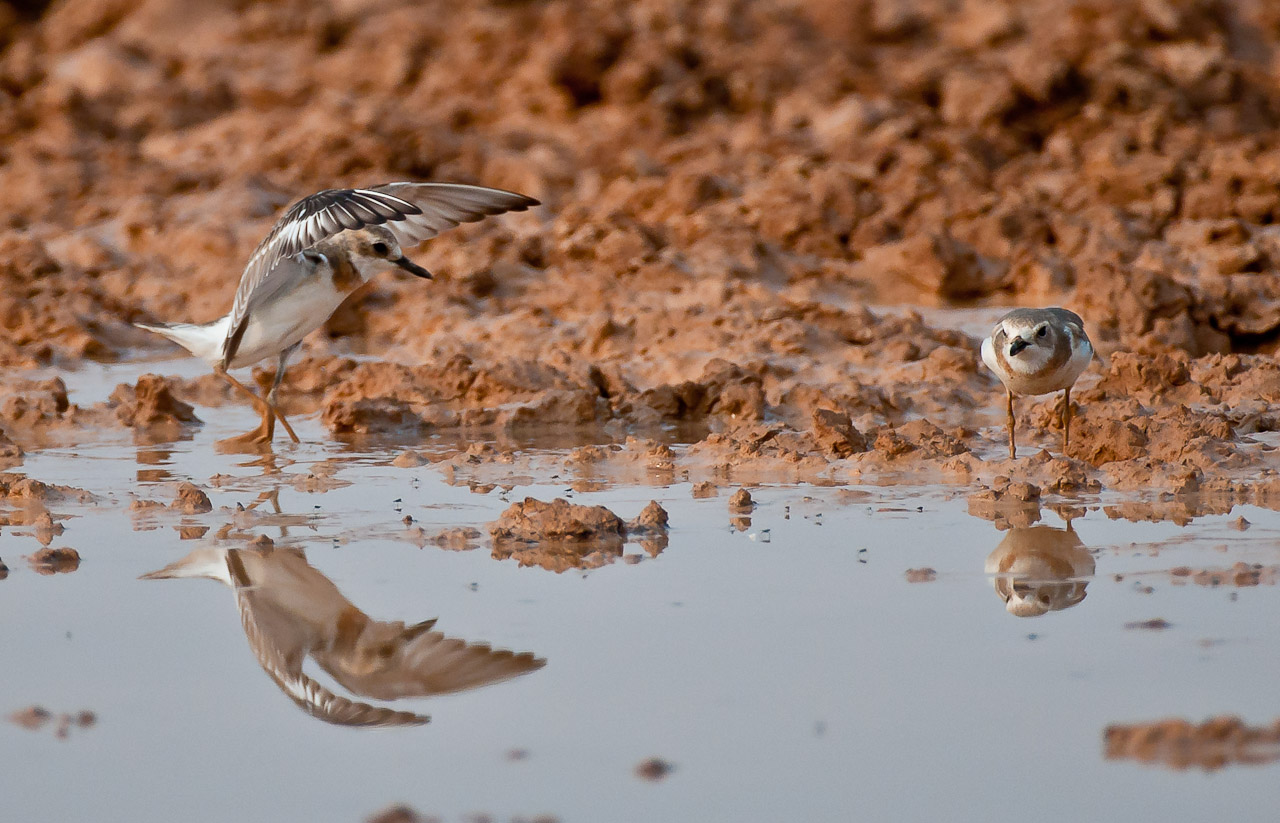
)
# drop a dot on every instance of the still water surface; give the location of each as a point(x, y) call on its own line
point(786, 667)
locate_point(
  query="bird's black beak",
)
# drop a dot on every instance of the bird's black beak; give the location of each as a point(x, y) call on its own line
point(413, 268)
point(1017, 346)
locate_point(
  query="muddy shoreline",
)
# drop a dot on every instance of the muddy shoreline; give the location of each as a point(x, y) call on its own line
point(727, 188)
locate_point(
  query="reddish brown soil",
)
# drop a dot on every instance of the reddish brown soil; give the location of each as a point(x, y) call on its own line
point(654, 769)
point(1178, 744)
point(55, 561)
point(561, 535)
point(727, 185)
point(36, 718)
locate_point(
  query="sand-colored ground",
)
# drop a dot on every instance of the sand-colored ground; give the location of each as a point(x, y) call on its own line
point(736, 196)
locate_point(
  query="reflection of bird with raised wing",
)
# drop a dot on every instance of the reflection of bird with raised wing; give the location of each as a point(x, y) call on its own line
point(1040, 569)
point(290, 611)
point(322, 249)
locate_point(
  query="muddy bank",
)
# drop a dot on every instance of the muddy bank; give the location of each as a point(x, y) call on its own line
point(728, 187)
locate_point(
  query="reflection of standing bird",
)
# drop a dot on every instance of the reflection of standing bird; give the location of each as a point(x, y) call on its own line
point(1038, 351)
point(290, 610)
point(325, 247)
point(1039, 569)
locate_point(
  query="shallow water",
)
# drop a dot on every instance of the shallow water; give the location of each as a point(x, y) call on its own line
point(785, 666)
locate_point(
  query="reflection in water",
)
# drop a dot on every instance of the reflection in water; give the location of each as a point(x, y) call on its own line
point(1180, 744)
point(289, 610)
point(1040, 569)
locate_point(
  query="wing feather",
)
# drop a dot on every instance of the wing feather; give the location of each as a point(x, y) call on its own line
point(413, 211)
point(429, 663)
point(285, 670)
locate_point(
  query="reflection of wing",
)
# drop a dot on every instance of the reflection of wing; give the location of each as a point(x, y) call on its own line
point(413, 211)
point(420, 664)
point(285, 669)
point(290, 610)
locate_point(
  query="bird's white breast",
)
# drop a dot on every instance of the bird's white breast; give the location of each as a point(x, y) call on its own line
point(288, 317)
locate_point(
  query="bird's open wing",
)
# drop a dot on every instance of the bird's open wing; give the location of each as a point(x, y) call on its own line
point(413, 211)
point(428, 663)
point(271, 637)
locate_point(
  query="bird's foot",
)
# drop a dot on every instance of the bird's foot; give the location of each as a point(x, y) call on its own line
point(252, 442)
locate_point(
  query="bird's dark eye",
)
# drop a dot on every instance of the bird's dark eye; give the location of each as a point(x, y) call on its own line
point(381, 249)
point(1042, 331)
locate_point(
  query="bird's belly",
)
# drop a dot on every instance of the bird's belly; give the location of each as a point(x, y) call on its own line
point(1064, 377)
point(287, 319)
point(1038, 384)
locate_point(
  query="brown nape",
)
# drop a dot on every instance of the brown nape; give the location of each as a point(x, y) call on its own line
point(1061, 351)
point(345, 277)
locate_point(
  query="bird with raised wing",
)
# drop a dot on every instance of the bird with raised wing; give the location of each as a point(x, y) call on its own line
point(322, 249)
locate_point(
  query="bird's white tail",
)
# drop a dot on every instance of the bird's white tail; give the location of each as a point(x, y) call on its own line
point(204, 341)
point(210, 563)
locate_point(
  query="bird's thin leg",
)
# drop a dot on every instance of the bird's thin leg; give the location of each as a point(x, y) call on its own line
point(275, 386)
point(1013, 448)
point(268, 426)
point(1066, 420)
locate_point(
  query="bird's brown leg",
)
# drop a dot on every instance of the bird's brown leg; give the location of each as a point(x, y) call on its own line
point(1066, 421)
point(287, 427)
point(275, 386)
point(266, 430)
point(1013, 448)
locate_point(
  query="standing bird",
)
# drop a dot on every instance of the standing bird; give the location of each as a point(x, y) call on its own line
point(1038, 351)
point(322, 249)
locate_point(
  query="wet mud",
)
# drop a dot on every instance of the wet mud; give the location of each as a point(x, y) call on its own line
point(733, 192)
point(772, 237)
point(40, 719)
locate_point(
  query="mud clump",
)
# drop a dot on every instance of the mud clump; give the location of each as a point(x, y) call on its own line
point(561, 535)
point(704, 490)
point(36, 718)
point(1240, 575)
point(457, 539)
point(740, 501)
point(191, 500)
point(55, 561)
point(922, 575)
point(408, 460)
point(1179, 744)
point(724, 389)
point(397, 814)
point(654, 769)
point(1154, 624)
point(10, 453)
point(653, 519)
point(150, 405)
point(371, 416)
point(29, 404)
point(1007, 503)
point(534, 521)
point(28, 492)
point(836, 435)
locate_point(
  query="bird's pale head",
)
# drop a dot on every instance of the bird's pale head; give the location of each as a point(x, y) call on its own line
point(374, 249)
point(1028, 344)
